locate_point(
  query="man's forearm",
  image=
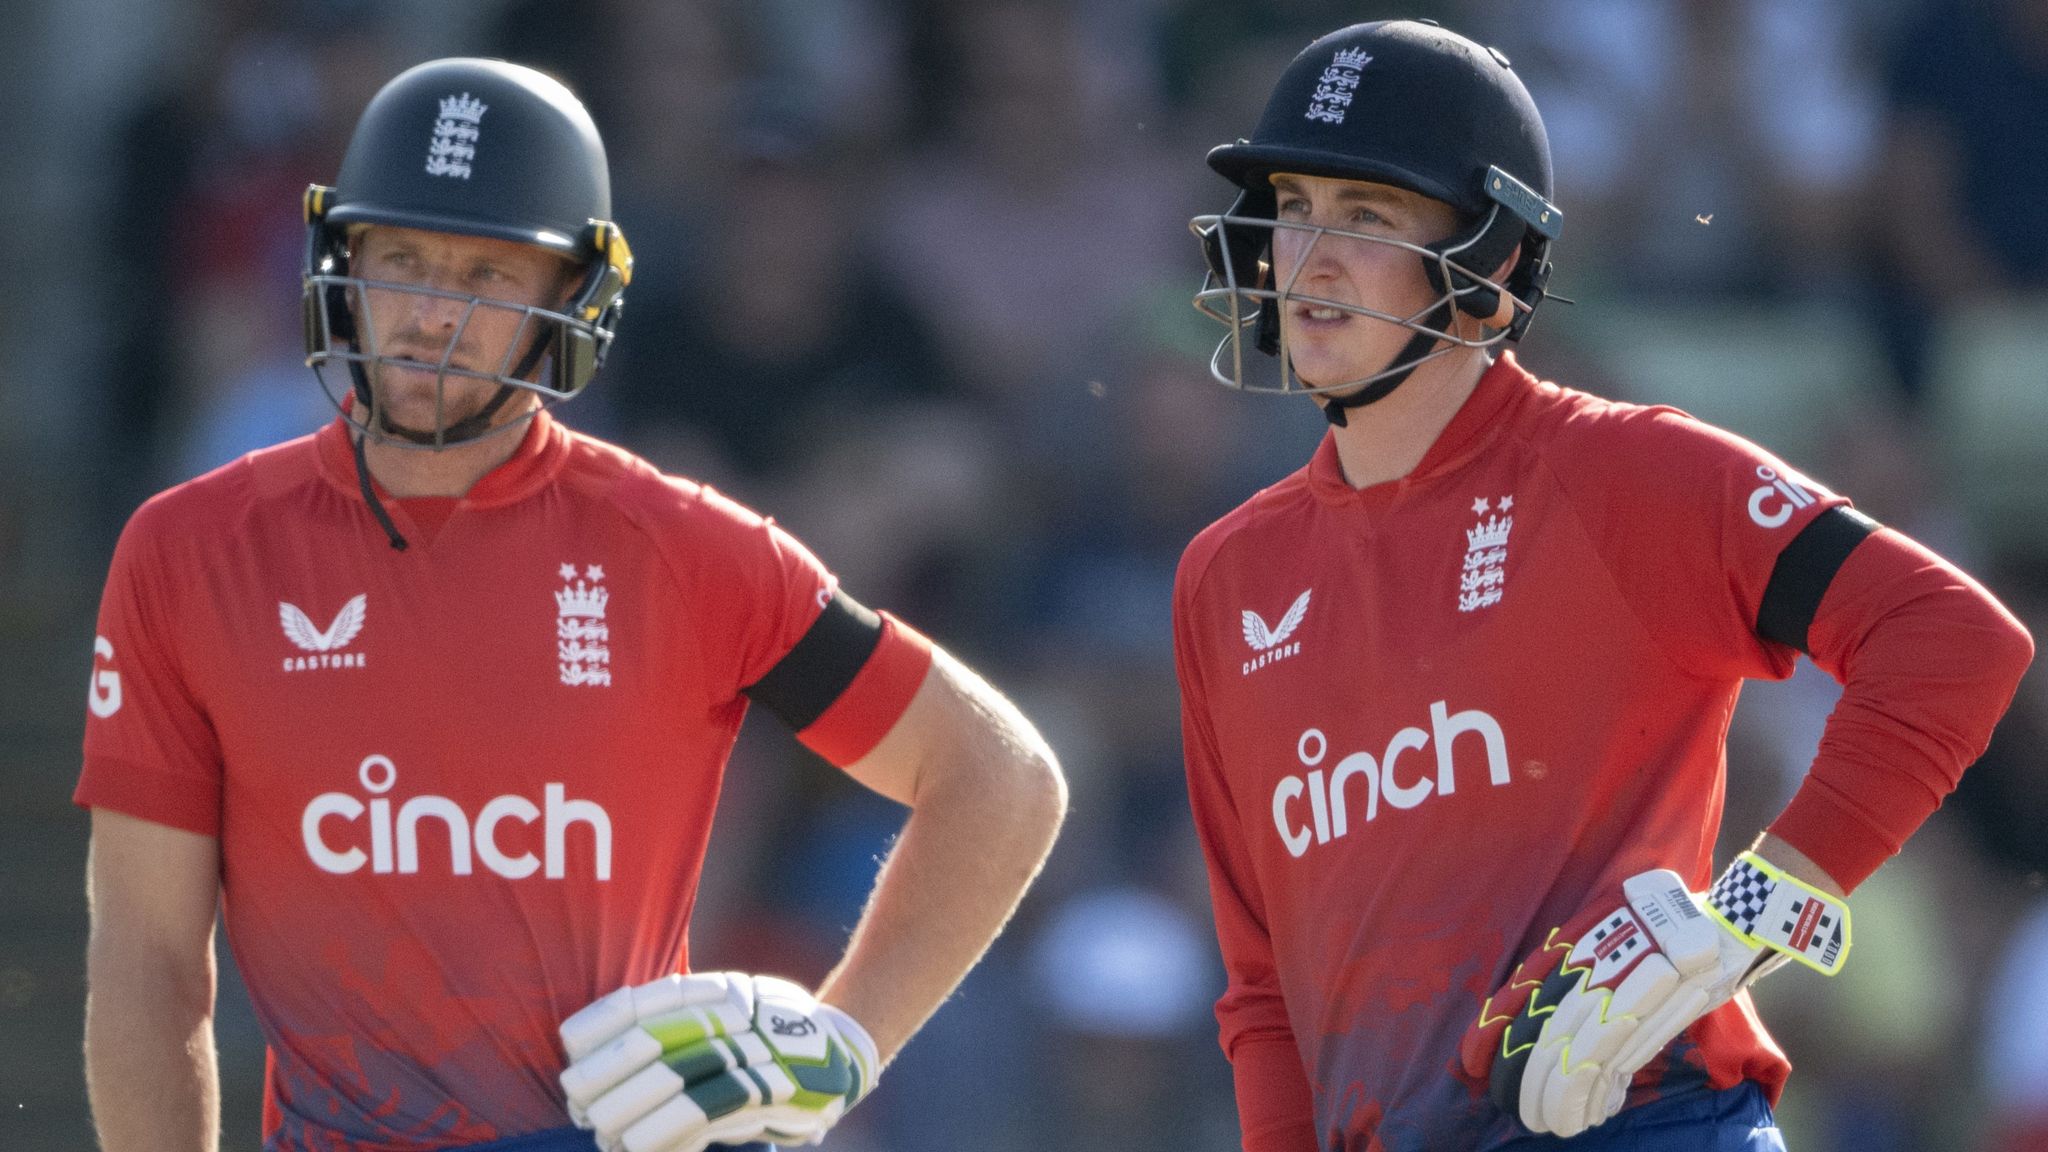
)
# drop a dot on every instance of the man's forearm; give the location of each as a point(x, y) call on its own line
point(1792, 860)
point(966, 855)
point(150, 1067)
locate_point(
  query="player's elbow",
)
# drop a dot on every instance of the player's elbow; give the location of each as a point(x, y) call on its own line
point(1017, 773)
point(993, 757)
point(2017, 649)
point(1044, 789)
point(2001, 648)
point(1007, 793)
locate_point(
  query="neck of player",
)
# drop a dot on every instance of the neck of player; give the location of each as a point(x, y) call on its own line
point(1385, 440)
point(407, 472)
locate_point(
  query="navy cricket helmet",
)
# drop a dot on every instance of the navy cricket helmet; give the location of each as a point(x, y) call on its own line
point(1413, 105)
point(481, 148)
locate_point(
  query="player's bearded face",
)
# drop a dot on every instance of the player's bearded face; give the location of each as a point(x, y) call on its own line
point(1329, 346)
point(474, 320)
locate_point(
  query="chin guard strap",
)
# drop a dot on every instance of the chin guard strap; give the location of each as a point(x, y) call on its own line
point(1336, 408)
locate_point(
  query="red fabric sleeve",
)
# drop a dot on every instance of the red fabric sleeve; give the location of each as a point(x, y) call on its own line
point(1274, 1102)
point(150, 750)
point(876, 699)
point(1928, 661)
point(1690, 520)
point(1272, 1096)
point(754, 588)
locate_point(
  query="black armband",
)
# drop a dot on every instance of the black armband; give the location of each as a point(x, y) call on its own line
point(813, 675)
point(1805, 569)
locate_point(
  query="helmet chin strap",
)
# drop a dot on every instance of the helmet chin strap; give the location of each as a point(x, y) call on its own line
point(465, 429)
point(1336, 409)
point(469, 427)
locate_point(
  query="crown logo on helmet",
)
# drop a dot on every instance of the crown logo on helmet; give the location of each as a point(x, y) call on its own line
point(1352, 58)
point(465, 108)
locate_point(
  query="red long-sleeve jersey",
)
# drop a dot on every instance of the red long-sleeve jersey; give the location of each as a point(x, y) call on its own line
point(1429, 720)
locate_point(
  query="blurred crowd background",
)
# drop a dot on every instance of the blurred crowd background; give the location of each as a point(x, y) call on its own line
point(914, 278)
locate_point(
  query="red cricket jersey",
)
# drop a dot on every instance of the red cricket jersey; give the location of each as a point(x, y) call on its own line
point(462, 790)
point(1429, 720)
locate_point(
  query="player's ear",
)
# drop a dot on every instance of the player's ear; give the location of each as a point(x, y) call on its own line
point(1503, 315)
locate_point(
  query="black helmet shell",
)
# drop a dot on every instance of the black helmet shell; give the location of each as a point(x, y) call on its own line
point(1397, 102)
point(480, 147)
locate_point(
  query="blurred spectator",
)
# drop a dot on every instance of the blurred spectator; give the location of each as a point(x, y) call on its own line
point(1127, 977)
point(226, 153)
point(2015, 1052)
point(1025, 224)
point(1703, 147)
point(248, 382)
point(785, 319)
point(1966, 158)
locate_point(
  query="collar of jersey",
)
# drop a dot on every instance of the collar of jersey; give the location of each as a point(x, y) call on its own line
point(543, 448)
point(1468, 432)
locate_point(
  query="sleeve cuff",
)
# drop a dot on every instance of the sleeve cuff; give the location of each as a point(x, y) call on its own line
point(875, 700)
point(1835, 833)
point(1273, 1108)
point(150, 794)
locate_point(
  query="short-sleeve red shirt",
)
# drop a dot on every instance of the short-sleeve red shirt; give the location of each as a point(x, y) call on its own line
point(461, 790)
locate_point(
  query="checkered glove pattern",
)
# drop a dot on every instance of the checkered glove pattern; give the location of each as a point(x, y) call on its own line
point(1764, 906)
point(689, 1061)
point(1560, 1042)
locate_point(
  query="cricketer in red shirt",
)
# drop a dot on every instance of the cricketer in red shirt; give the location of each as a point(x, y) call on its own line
point(1448, 687)
point(462, 790)
point(436, 704)
point(1428, 720)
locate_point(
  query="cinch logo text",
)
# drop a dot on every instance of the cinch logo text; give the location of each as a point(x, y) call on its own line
point(1783, 495)
point(395, 842)
point(1329, 810)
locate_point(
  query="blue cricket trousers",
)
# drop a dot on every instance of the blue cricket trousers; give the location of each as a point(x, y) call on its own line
point(577, 1140)
point(1735, 1120)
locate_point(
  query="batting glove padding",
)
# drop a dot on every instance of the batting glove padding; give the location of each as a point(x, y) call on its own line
point(721, 1057)
point(1570, 1045)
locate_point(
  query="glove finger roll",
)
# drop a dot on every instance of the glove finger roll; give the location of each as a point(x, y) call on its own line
point(596, 1023)
point(674, 1126)
point(599, 1072)
point(641, 1093)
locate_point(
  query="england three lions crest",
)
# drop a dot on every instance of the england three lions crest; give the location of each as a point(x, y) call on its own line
point(582, 638)
point(1483, 577)
point(456, 130)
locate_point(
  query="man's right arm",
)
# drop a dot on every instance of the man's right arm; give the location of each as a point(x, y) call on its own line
point(150, 1069)
point(1274, 1101)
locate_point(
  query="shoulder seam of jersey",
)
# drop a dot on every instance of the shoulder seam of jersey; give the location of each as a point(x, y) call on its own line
point(1266, 501)
point(1657, 643)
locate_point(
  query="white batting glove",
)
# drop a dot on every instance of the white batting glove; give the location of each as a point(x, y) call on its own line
point(719, 1057)
point(1644, 974)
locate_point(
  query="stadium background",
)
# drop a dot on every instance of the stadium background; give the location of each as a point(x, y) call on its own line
point(914, 278)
